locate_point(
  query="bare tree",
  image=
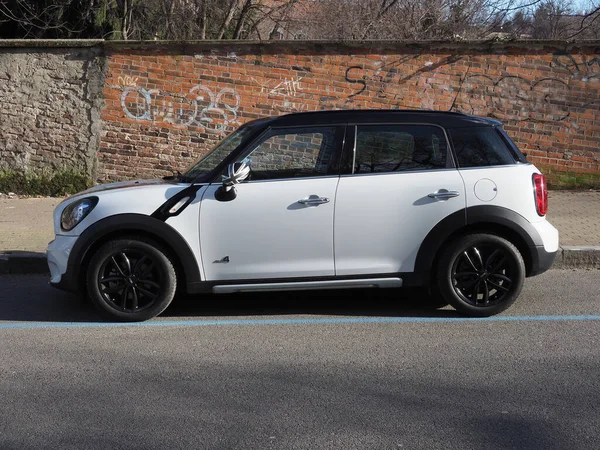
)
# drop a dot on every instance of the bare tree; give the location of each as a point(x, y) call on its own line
point(551, 20)
point(297, 19)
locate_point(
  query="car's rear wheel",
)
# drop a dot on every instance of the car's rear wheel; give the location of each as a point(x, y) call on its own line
point(131, 280)
point(481, 274)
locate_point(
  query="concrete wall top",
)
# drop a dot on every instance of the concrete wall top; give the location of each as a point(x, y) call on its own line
point(173, 47)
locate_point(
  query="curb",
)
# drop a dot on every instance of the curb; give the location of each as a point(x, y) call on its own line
point(14, 263)
point(568, 257)
point(577, 257)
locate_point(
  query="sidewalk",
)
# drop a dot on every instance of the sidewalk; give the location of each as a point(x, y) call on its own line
point(26, 228)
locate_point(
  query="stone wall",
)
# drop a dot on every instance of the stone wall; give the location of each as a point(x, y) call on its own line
point(50, 103)
point(163, 105)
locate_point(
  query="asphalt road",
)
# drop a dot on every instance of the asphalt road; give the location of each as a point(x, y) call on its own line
point(333, 370)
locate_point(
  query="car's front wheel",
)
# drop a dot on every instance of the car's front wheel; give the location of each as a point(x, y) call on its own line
point(480, 274)
point(131, 280)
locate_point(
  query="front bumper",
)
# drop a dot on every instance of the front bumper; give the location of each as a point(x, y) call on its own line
point(61, 274)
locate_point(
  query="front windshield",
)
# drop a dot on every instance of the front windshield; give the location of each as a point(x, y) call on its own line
point(217, 155)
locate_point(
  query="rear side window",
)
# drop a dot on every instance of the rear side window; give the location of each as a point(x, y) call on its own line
point(480, 147)
point(397, 148)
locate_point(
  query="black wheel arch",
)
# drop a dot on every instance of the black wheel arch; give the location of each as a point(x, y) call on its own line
point(132, 225)
point(479, 219)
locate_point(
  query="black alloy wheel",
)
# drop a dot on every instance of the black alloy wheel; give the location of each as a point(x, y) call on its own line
point(131, 280)
point(481, 274)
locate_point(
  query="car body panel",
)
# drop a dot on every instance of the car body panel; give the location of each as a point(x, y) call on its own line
point(507, 186)
point(131, 197)
point(265, 233)
point(381, 219)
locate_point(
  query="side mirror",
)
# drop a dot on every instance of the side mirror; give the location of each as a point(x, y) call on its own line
point(236, 173)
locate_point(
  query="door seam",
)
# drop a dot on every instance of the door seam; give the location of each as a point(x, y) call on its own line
point(333, 230)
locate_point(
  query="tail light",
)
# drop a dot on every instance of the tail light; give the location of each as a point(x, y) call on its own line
point(541, 194)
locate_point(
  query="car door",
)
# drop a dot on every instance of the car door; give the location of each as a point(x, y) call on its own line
point(398, 182)
point(280, 223)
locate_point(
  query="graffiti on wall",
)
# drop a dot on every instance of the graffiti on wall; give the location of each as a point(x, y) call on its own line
point(515, 98)
point(390, 82)
point(200, 107)
point(286, 87)
point(287, 94)
point(506, 97)
point(578, 66)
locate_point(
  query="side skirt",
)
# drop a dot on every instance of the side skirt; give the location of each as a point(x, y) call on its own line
point(307, 285)
point(391, 280)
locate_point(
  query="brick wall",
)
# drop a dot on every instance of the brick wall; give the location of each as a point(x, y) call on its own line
point(167, 105)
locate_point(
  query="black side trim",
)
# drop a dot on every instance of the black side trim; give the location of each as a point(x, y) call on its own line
point(408, 279)
point(436, 238)
point(541, 260)
point(68, 281)
point(225, 193)
point(128, 222)
point(162, 213)
point(481, 214)
point(506, 217)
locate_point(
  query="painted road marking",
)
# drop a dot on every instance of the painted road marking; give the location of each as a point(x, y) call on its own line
point(299, 321)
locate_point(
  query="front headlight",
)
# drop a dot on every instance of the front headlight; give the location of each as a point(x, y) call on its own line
point(76, 212)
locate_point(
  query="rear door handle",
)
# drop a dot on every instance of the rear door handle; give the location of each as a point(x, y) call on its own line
point(443, 193)
point(313, 200)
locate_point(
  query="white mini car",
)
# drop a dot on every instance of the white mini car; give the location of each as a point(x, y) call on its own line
point(332, 199)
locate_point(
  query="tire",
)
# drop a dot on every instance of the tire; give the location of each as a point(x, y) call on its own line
point(480, 274)
point(131, 280)
point(433, 297)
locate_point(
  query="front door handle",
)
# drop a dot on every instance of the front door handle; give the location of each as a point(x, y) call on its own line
point(443, 193)
point(313, 200)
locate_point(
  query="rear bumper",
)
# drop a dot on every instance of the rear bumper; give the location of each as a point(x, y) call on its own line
point(542, 256)
point(541, 260)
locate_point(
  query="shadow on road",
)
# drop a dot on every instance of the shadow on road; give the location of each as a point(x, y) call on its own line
point(339, 302)
point(30, 298)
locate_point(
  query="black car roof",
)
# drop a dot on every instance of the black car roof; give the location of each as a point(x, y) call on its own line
point(446, 119)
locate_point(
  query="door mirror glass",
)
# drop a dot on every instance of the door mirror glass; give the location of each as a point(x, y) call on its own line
point(237, 172)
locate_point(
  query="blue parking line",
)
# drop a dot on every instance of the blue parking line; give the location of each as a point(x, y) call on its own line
point(300, 321)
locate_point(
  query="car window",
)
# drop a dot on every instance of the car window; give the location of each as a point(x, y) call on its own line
point(217, 155)
point(396, 148)
point(292, 153)
point(480, 147)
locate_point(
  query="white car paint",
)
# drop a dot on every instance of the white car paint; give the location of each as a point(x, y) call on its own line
point(548, 233)
point(135, 197)
point(514, 188)
point(382, 219)
point(266, 233)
